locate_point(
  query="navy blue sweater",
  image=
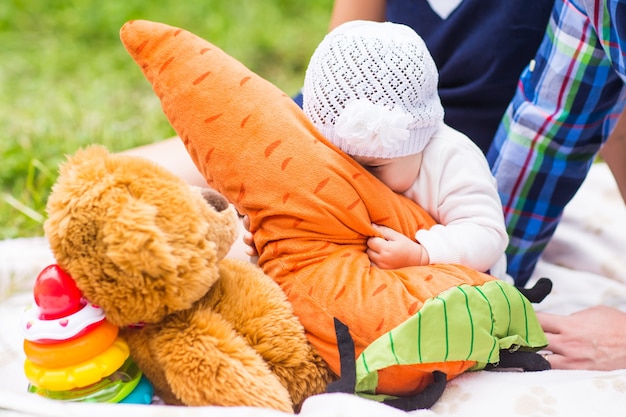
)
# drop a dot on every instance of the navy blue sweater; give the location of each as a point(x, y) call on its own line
point(480, 51)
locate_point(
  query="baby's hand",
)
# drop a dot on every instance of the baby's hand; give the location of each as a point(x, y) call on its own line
point(248, 239)
point(395, 250)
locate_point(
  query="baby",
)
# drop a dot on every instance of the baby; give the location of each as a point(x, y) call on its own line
point(371, 89)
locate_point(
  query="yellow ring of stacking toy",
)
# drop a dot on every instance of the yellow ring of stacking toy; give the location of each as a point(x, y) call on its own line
point(73, 351)
point(126, 384)
point(79, 375)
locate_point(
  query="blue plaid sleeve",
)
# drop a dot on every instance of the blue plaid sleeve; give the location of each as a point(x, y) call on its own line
point(565, 106)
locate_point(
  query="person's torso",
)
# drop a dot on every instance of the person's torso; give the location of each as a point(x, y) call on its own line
point(480, 48)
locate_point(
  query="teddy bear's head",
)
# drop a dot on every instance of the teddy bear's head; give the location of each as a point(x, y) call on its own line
point(138, 241)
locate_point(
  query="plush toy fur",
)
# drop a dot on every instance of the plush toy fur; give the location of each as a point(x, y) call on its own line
point(311, 209)
point(149, 250)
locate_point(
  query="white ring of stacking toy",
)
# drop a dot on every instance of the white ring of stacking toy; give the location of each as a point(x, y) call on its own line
point(36, 329)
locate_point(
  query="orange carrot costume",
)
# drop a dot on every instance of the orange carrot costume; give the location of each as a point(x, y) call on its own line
point(312, 209)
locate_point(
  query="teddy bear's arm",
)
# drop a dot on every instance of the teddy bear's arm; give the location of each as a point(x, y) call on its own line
point(258, 310)
point(206, 363)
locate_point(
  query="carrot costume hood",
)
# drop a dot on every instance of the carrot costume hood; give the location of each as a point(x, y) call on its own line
point(312, 208)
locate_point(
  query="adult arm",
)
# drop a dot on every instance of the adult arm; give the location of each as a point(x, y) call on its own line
point(614, 154)
point(347, 10)
point(557, 122)
point(591, 339)
point(172, 155)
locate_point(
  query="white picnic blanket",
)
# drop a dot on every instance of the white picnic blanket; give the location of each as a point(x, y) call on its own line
point(586, 261)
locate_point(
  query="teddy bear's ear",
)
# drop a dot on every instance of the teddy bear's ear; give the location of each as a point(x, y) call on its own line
point(134, 241)
point(215, 199)
point(152, 273)
point(138, 251)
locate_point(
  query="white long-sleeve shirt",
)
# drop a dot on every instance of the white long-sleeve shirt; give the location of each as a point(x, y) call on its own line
point(456, 187)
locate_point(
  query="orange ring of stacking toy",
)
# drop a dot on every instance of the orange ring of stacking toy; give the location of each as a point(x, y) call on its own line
point(79, 375)
point(72, 351)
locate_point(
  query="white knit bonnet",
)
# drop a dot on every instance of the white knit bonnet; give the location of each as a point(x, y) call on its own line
point(371, 89)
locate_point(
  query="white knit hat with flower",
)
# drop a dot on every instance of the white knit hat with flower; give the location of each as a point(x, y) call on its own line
point(371, 89)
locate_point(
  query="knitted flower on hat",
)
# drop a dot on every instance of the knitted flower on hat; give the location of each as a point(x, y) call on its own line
point(371, 89)
point(368, 128)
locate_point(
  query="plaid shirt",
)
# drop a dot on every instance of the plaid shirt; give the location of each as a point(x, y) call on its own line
point(564, 108)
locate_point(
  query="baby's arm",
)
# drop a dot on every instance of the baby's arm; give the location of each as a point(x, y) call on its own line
point(393, 250)
point(457, 188)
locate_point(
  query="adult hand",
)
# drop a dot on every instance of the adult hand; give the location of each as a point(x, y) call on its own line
point(591, 339)
point(395, 250)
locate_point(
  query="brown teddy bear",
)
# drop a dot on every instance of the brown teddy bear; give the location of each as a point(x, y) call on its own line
point(149, 250)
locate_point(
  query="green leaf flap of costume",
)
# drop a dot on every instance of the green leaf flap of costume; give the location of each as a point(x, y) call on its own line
point(463, 323)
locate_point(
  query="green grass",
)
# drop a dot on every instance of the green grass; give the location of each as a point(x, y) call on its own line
point(67, 81)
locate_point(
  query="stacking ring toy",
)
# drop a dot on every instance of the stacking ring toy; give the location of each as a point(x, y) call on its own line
point(79, 375)
point(73, 351)
point(114, 388)
point(142, 394)
point(39, 330)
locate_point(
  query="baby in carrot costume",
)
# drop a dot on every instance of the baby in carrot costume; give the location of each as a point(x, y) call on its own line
point(312, 209)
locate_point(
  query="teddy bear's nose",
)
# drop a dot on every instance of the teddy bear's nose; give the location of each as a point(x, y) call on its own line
point(215, 199)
